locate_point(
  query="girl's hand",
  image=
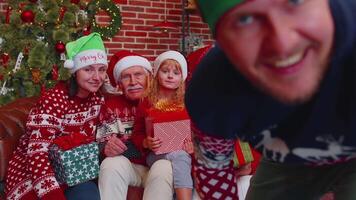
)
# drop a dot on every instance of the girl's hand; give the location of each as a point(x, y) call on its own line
point(152, 143)
point(188, 146)
point(244, 170)
point(114, 146)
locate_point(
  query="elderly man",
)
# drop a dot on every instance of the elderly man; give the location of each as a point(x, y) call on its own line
point(123, 165)
point(282, 76)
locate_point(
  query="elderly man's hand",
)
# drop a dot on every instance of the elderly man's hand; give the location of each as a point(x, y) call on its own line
point(114, 146)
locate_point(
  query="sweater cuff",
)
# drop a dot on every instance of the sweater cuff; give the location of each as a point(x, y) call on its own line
point(54, 194)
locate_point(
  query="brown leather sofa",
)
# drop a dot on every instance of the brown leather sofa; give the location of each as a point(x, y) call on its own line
point(12, 125)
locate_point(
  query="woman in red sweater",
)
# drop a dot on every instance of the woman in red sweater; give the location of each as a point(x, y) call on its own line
point(69, 108)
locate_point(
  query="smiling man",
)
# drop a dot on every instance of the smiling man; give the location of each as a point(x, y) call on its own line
point(281, 77)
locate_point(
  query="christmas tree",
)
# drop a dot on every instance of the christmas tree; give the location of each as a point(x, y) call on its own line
point(33, 35)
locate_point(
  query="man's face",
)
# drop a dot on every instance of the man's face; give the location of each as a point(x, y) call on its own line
point(281, 46)
point(133, 82)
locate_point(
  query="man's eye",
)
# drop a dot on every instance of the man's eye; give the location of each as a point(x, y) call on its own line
point(124, 77)
point(245, 20)
point(138, 74)
point(295, 2)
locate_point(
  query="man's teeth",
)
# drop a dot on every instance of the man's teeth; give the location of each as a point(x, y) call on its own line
point(288, 61)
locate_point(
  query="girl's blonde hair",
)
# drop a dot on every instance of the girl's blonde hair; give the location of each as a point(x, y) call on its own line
point(178, 98)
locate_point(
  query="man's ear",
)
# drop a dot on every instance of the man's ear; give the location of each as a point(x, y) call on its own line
point(119, 86)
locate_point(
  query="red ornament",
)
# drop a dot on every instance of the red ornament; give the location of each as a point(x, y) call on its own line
point(5, 59)
point(43, 88)
point(60, 47)
point(62, 11)
point(26, 50)
point(75, 1)
point(27, 16)
point(86, 31)
point(8, 12)
point(55, 72)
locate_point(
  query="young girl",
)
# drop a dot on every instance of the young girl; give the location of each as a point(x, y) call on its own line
point(69, 108)
point(166, 96)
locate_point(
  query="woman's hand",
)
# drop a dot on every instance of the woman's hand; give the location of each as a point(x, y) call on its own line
point(152, 143)
point(114, 146)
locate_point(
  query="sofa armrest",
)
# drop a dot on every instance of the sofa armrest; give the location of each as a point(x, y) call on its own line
point(13, 117)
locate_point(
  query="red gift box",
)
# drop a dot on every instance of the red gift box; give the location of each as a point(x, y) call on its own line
point(172, 128)
point(242, 154)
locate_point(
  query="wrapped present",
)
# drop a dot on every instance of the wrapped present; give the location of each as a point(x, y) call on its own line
point(74, 161)
point(172, 128)
point(242, 154)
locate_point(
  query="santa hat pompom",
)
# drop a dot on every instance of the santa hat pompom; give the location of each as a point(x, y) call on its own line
point(69, 64)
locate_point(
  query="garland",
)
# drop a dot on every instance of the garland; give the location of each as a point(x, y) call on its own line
point(113, 11)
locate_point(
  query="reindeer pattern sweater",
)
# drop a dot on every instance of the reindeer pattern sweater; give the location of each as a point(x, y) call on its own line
point(125, 111)
point(225, 105)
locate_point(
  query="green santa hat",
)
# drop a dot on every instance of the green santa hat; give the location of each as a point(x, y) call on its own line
point(212, 10)
point(85, 51)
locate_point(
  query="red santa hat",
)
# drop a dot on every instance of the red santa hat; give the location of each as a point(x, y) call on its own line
point(173, 55)
point(122, 60)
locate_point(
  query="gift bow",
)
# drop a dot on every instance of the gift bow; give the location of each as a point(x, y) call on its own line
point(71, 141)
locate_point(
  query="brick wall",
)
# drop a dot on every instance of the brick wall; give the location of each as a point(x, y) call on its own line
point(138, 17)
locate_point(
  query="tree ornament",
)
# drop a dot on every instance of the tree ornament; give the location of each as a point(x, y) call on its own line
point(75, 1)
point(27, 16)
point(62, 11)
point(18, 62)
point(86, 31)
point(54, 72)
point(36, 75)
point(33, 1)
point(26, 50)
point(5, 59)
point(60, 47)
point(43, 88)
point(4, 90)
point(8, 12)
point(112, 10)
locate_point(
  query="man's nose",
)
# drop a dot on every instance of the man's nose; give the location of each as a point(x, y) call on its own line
point(281, 37)
point(133, 80)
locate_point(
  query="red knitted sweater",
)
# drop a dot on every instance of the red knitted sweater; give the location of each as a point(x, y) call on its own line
point(30, 174)
point(125, 110)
